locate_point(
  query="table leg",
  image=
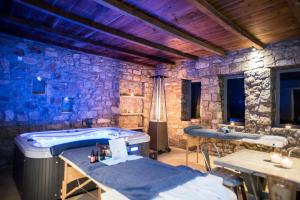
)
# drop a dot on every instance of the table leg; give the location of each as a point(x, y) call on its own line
point(253, 185)
point(99, 193)
point(64, 183)
point(206, 154)
point(187, 152)
point(198, 143)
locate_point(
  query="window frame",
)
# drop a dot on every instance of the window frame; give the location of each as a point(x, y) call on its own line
point(225, 93)
point(277, 96)
point(196, 81)
point(189, 118)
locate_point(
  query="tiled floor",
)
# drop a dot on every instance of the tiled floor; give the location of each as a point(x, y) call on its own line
point(8, 190)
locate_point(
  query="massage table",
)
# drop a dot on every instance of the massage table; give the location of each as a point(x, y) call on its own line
point(140, 179)
point(196, 132)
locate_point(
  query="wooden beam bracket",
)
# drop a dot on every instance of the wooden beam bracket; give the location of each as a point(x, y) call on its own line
point(56, 33)
point(78, 20)
point(128, 9)
point(209, 10)
point(295, 7)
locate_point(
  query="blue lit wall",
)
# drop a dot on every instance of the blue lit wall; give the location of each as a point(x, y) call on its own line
point(91, 84)
point(45, 87)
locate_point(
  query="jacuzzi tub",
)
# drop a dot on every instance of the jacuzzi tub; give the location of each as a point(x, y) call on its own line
point(41, 144)
point(38, 171)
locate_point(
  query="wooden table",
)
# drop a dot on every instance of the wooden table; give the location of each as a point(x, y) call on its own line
point(255, 164)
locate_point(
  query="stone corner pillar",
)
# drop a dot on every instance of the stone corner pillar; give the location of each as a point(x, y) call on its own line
point(258, 94)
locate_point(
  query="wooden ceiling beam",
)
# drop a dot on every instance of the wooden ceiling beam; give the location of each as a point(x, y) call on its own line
point(88, 51)
point(295, 7)
point(226, 23)
point(128, 9)
point(56, 33)
point(75, 19)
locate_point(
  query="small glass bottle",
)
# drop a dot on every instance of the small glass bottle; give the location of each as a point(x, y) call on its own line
point(96, 157)
point(92, 157)
point(102, 154)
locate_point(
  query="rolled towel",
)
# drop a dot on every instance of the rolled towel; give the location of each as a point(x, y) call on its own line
point(224, 130)
point(189, 128)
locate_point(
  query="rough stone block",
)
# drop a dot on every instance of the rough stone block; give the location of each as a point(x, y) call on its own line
point(30, 60)
point(9, 115)
point(51, 52)
point(285, 62)
point(102, 120)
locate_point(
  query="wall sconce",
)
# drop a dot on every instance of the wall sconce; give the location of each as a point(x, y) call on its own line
point(232, 123)
point(67, 105)
point(38, 85)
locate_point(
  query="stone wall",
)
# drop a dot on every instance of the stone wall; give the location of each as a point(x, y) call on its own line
point(93, 85)
point(257, 67)
point(135, 103)
point(91, 82)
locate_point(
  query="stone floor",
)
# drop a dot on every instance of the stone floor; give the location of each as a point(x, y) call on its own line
point(8, 190)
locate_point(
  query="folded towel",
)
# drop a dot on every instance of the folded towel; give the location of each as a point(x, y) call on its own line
point(112, 161)
point(224, 130)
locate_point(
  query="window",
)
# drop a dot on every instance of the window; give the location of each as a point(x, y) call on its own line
point(288, 97)
point(234, 99)
point(190, 102)
point(196, 98)
point(38, 85)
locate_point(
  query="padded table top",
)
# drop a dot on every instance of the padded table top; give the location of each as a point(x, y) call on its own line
point(267, 140)
point(136, 179)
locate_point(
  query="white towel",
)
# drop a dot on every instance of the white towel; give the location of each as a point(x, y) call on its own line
point(201, 188)
point(112, 161)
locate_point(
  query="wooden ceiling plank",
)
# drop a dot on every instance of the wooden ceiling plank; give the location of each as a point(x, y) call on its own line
point(56, 33)
point(75, 19)
point(295, 7)
point(128, 9)
point(88, 51)
point(226, 23)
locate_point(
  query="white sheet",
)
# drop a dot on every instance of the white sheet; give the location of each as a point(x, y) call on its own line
point(201, 188)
